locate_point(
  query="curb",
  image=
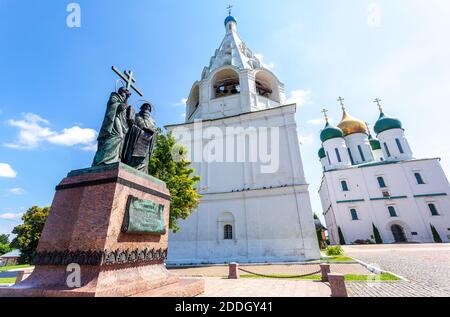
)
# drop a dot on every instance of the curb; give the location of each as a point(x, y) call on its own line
point(376, 270)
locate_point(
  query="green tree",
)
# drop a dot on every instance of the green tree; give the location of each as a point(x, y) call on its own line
point(436, 236)
point(4, 244)
point(341, 237)
point(168, 164)
point(4, 238)
point(376, 234)
point(29, 232)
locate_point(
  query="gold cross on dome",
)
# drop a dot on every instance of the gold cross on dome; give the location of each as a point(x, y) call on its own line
point(325, 114)
point(341, 101)
point(377, 101)
point(229, 9)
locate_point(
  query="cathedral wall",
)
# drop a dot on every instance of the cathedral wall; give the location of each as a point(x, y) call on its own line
point(266, 223)
point(407, 197)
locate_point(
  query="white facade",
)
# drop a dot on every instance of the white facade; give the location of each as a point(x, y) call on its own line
point(249, 211)
point(401, 196)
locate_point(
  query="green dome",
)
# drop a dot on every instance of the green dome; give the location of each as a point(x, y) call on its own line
point(374, 143)
point(322, 153)
point(386, 123)
point(330, 132)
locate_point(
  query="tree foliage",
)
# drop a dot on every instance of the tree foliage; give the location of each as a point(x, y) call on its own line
point(341, 237)
point(4, 244)
point(168, 164)
point(29, 232)
point(376, 234)
point(436, 236)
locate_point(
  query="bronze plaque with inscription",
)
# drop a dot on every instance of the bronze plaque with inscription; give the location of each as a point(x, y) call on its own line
point(144, 217)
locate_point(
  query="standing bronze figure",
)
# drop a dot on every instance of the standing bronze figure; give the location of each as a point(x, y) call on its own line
point(116, 124)
point(140, 140)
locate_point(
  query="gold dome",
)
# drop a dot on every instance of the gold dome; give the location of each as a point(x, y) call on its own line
point(350, 125)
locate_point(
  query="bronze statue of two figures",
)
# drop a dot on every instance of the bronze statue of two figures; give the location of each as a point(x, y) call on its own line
point(126, 136)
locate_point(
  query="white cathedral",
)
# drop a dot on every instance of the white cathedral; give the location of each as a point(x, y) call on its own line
point(245, 214)
point(374, 188)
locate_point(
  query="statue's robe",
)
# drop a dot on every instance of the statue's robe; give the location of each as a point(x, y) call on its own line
point(140, 141)
point(113, 132)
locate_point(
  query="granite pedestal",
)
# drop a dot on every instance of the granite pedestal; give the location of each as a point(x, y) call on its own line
point(86, 226)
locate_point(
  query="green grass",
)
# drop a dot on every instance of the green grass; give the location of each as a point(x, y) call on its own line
point(339, 258)
point(348, 277)
point(13, 267)
point(7, 280)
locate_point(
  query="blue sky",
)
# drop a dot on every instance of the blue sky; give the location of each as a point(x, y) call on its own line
point(56, 79)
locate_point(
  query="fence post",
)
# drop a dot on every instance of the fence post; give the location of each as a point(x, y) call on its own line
point(337, 284)
point(325, 270)
point(233, 272)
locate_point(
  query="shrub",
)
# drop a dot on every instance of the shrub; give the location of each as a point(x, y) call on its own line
point(436, 236)
point(376, 234)
point(335, 250)
point(341, 237)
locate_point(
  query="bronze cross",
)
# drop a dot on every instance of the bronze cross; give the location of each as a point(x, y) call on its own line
point(127, 76)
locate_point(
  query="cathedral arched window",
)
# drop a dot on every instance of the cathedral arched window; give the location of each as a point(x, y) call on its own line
point(226, 226)
point(228, 232)
point(266, 85)
point(226, 83)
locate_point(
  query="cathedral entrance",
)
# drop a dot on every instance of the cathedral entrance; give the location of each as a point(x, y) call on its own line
point(399, 234)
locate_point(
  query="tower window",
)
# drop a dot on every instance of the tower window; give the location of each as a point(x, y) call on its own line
point(361, 153)
point(228, 232)
point(381, 182)
point(344, 186)
point(419, 179)
point(354, 214)
point(387, 149)
point(392, 211)
point(433, 210)
point(328, 158)
point(338, 155)
point(351, 156)
point(399, 145)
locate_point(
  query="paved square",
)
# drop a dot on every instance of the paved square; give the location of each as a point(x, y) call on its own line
point(426, 266)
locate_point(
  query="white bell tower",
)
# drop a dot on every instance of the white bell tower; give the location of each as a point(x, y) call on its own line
point(247, 213)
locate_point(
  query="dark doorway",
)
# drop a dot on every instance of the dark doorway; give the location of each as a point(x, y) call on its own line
point(399, 234)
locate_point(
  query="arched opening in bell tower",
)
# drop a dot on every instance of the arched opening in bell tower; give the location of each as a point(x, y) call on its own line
point(266, 86)
point(194, 99)
point(226, 83)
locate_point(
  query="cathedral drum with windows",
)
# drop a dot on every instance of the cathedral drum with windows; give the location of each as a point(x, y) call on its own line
point(245, 214)
point(374, 190)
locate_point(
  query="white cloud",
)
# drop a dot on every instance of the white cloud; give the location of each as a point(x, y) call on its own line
point(7, 171)
point(318, 121)
point(74, 136)
point(306, 139)
point(33, 130)
point(269, 66)
point(10, 216)
point(300, 97)
point(16, 191)
point(90, 148)
point(182, 102)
